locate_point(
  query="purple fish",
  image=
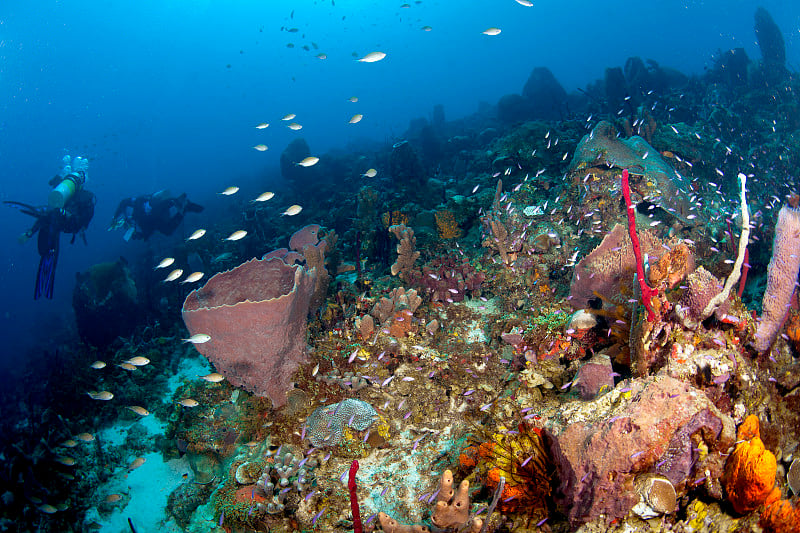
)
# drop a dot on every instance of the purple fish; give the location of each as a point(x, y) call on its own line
point(316, 516)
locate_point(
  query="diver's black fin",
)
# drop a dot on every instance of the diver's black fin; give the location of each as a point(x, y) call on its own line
point(27, 209)
point(192, 207)
point(46, 275)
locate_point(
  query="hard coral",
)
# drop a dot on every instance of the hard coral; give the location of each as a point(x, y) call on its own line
point(750, 470)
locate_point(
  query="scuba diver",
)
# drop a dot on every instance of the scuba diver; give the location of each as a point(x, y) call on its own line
point(143, 215)
point(69, 209)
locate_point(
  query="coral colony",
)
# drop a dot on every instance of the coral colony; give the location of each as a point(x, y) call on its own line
point(547, 337)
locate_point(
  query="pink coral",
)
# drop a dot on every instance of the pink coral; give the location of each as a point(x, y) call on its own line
point(781, 277)
point(256, 317)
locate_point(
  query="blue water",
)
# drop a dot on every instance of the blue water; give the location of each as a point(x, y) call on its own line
point(167, 93)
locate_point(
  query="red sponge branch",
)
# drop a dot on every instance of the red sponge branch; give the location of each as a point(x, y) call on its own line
point(647, 291)
point(351, 485)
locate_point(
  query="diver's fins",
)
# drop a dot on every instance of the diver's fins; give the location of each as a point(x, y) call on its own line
point(46, 275)
point(27, 209)
point(192, 207)
point(49, 243)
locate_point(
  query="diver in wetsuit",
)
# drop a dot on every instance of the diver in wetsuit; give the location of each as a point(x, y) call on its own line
point(70, 210)
point(144, 215)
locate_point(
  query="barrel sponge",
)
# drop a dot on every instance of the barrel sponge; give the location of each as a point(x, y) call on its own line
point(781, 277)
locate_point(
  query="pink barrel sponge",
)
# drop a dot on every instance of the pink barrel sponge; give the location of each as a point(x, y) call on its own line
point(781, 277)
point(256, 315)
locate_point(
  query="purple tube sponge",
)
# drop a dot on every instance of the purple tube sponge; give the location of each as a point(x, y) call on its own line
point(781, 277)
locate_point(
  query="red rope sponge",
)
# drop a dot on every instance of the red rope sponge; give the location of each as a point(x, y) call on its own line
point(351, 486)
point(647, 291)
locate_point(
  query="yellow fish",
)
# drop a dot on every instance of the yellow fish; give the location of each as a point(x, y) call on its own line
point(65, 460)
point(127, 366)
point(355, 119)
point(167, 261)
point(138, 361)
point(69, 443)
point(139, 461)
point(197, 234)
point(139, 410)
point(97, 365)
point(372, 57)
point(47, 508)
point(85, 437)
point(262, 126)
point(113, 498)
point(230, 190)
point(198, 338)
point(309, 161)
point(213, 377)
point(175, 274)
point(194, 276)
point(371, 173)
point(261, 147)
point(103, 395)
point(264, 196)
point(492, 31)
point(292, 210)
point(236, 235)
point(189, 402)
point(295, 126)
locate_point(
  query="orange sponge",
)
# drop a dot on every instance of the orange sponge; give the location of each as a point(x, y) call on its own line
point(750, 470)
point(779, 516)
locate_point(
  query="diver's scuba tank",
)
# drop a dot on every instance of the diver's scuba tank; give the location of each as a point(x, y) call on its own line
point(70, 184)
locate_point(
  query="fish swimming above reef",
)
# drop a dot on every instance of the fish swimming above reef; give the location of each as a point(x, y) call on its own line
point(167, 261)
point(309, 161)
point(292, 210)
point(373, 57)
point(198, 338)
point(175, 274)
point(236, 235)
point(264, 196)
point(222, 257)
point(194, 276)
point(138, 361)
